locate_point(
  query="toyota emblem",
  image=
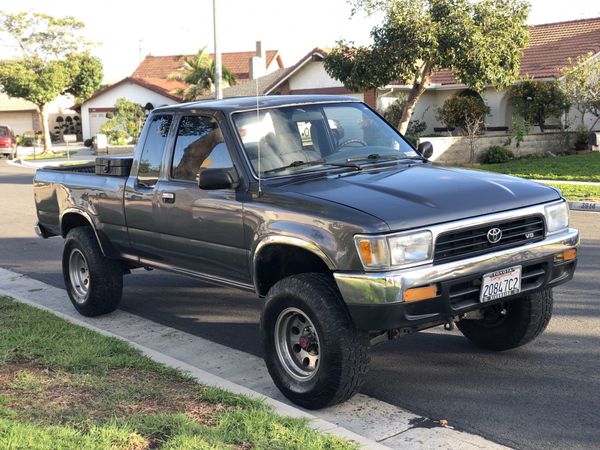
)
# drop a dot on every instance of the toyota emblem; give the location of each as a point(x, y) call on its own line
point(494, 235)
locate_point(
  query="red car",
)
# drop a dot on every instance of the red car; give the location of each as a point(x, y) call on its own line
point(8, 143)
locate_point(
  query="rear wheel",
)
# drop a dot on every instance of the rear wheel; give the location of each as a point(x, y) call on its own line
point(314, 353)
point(511, 324)
point(94, 283)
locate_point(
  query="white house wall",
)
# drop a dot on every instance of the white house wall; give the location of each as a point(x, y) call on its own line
point(312, 76)
point(131, 91)
point(432, 99)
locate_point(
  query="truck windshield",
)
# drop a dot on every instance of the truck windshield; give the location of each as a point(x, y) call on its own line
point(293, 139)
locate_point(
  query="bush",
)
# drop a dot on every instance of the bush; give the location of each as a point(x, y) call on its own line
point(497, 154)
point(88, 142)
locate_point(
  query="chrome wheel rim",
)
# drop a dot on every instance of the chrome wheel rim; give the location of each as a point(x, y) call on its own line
point(297, 344)
point(79, 275)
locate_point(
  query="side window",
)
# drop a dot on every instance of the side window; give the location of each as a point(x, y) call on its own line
point(152, 152)
point(199, 145)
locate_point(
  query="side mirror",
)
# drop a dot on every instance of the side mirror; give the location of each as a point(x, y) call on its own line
point(425, 149)
point(212, 179)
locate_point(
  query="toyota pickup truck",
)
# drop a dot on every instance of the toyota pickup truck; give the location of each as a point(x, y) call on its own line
point(320, 207)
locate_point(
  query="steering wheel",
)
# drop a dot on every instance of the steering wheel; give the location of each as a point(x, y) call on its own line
point(353, 141)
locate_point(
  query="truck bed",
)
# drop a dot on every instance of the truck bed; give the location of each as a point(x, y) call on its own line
point(60, 190)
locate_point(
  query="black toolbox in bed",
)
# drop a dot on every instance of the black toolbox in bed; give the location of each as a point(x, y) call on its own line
point(116, 166)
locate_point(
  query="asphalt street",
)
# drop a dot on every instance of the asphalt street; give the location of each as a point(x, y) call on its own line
point(546, 394)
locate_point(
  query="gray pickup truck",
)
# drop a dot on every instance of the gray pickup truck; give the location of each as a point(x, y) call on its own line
point(318, 205)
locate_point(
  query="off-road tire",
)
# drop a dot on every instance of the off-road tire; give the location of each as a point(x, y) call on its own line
point(105, 275)
point(343, 350)
point(525, 319)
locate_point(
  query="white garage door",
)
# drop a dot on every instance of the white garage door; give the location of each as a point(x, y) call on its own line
point(20, 122)
point(97, 119)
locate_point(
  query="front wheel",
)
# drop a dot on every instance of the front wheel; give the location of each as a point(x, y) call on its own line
point(312, 350)
point(94, 283)
point(512, 324)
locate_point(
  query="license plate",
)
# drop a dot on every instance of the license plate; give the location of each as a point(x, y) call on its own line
point(500, 284)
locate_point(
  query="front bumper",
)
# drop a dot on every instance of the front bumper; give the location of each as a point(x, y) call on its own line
point(375, 300)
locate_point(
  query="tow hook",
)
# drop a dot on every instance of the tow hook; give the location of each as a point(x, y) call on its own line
point(449, 326)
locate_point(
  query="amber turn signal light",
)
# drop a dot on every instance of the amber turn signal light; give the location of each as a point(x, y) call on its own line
point(567, 255)
point(421, 293)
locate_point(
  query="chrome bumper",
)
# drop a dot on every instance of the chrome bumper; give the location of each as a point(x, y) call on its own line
point(388, 287)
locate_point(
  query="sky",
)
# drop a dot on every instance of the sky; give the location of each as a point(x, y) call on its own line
point(293, 27)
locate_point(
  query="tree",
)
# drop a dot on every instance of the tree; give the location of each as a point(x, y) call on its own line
point(199, 73)
point(581, 85)
point(536, 101)
point(126, 122)
point(53, 60)
point(466, 112)
point(481, 42)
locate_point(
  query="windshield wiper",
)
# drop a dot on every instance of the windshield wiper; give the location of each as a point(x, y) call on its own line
point(379, 157)
point(310, 163)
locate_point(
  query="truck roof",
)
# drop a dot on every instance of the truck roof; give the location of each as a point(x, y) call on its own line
point(266, 101)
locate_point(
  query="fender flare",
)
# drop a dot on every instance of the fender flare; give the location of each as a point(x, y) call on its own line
point(289, 241)
point(105, 246)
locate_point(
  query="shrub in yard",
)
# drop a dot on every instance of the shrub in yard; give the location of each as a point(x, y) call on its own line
point(497, 154)
point(536, 101)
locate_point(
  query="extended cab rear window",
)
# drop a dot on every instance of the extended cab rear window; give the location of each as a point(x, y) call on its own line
point(4, 132)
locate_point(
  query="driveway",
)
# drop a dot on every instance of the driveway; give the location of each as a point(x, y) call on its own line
point(540, 396)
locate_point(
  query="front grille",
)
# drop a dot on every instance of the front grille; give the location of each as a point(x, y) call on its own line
point(466, 292)
point(469, 242)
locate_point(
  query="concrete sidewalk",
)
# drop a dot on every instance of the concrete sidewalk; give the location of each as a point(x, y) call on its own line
point(370, 422)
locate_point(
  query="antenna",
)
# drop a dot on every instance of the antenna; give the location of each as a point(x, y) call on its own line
point(258, 148)
point(140, 48)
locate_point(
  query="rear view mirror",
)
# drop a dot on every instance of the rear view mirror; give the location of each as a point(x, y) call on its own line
point(425, 149)
point(212, 179)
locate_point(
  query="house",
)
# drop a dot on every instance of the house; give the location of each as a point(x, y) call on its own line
point(307, 76)
point(551, 47)
point(23, 117)
point(150, 84)
point(148, 92)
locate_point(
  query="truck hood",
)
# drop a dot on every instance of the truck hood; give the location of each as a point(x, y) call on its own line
point(421, 195)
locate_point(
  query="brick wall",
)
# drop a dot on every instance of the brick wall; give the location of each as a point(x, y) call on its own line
point(456, 150)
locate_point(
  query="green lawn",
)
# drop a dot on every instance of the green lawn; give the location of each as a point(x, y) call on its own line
point(64, 386)
point(578, 192)
point(56, 155)
point(585, 167)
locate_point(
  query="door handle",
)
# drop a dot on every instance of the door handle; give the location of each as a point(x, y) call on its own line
point(168, 197)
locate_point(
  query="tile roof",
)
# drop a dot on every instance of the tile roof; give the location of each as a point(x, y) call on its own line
point(550, 47)
point(236, 62)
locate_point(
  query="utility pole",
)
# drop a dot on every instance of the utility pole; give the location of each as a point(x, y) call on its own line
point(218, 68)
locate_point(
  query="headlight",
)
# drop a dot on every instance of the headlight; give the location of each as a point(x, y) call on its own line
point(393, 251)
point(410, 248)
point(557, 217)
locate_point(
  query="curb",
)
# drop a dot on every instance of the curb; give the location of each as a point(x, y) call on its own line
point(585, 206)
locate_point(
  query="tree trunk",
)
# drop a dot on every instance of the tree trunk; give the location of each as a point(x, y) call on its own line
point(45, 128)
point(413, 96)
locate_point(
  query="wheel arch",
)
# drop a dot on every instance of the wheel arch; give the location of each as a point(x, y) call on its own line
point(74, 218)
point(277, 257)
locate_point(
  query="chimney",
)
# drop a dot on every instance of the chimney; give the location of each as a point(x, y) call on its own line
point(258, 63)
